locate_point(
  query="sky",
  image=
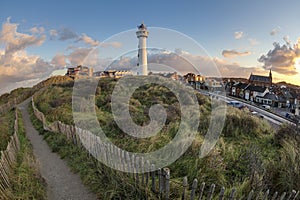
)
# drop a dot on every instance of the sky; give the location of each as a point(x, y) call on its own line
point(41, 38)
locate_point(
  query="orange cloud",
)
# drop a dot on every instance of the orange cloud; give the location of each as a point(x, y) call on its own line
point(282, 59)
point(234, 53)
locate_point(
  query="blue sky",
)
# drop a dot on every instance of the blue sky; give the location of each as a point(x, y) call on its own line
point(211, 23)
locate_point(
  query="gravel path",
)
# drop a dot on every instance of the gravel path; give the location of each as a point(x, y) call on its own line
point(61, 182)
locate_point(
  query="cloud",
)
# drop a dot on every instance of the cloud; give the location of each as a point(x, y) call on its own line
point(111, 44)
point(253, 41)
point(18, 84)
point(88, 40)
point(37, 30)
point(78, 56)
point(15, 41)
point(184, 62)
point(275, 30)
point(59, 60)
point(286, 38)
point(53, 33)
point(234, 53)
point(282, 59)
point(238, 34)
point(16, 65)
point(93, 43)
point(65, 34)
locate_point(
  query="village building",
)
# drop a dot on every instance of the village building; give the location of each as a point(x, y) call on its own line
point(257, 80)
point(112, 74)
point(196, 81)
point(79, 71)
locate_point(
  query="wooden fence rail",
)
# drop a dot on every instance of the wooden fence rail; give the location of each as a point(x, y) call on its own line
point(11, 104)
point(7, 161)
point(160, 179)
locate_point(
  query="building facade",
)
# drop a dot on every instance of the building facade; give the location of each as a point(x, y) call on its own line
point(257, 80)
point(79, 71)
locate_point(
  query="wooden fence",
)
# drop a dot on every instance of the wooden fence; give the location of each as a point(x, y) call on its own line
point(158, 180)
point(8, 160)
point(11, 104)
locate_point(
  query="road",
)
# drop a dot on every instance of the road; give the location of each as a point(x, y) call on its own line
point(275, 119)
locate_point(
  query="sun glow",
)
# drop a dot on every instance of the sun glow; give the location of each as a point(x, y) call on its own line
point(297, 64)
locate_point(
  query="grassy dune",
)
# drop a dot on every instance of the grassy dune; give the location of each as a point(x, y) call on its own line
point(6, 128)
point(249, 154)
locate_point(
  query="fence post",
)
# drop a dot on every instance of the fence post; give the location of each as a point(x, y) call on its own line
point(185, 184)
point(123, 160)
point(232, 193)
point(201, 190)
point(5, 170)
point(148, 171)
point(137, 170)
point(266, 195)
point(167, 182)
point(296, 195)
point(211, 191)
point(107, 153)
point(160, 185)
point(133, 165)
point(194, 188)
point(282, 196)
point(221, 197)
point(127, 160)
point(250, 195)
point(143, 170)
point(292, 194)
point(274, 195)
point(153, 177)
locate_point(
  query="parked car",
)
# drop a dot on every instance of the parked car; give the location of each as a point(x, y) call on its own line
point(236, 104)
point(257, 114)
point(266, 107)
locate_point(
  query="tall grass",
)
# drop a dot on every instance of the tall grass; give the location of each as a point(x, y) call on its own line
point(249, 154)
point(26, 180)
point(102, 180)
point(6, 128)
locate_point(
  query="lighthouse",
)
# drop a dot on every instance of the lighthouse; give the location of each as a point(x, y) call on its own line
point(142, 34)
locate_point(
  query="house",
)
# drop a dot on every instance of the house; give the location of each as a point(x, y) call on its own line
point(228, 86)
point(297, 107)
point(79, 71)
point(289, 95)
point(237, 89)
point(112, 74)
point(173, 76)
point(254, 93)
point(214, 85)
point(196, 81)
point(273, 100)
point(120, 74)
point(264, 81)
point(191, 77)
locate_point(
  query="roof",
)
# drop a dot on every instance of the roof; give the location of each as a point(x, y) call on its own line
point(142, 26)
point(256, 88)
point(293, 94)
point(274, 97)
point(271, 96)
point(259, 78)
point(241, 85)
point(286, 94)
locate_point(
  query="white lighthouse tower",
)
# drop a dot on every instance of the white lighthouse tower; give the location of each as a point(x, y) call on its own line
point(142, 35)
